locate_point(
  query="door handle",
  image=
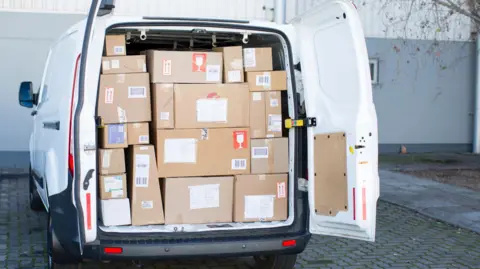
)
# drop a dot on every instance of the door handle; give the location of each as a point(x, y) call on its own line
point(33, 113)
point(359, 146)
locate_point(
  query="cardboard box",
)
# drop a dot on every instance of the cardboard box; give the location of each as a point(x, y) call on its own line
point(115, 212)
point(203, 152)
point(232, 64)
point(260, 198)
point(257, 115)
point(273, 113)
point(138, 133)
point(269, 156)
point(162, 106)
point(196, 200)
point(124, 98)
point(115, 45)
point(257, 59)
point(113, 136)
point(113, 187)
point(267, 81)
point(184, 66)
point(124, 64)
point(211, 105)
point(111, 161)
point(144, 187)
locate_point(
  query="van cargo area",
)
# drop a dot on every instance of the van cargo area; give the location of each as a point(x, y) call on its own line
point(191, 133)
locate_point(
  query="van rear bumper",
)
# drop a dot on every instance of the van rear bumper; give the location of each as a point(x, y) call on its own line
point(140, 251)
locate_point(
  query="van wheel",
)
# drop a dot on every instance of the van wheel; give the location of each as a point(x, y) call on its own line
point(35, 201)
point(52, 264)
point(275, 261)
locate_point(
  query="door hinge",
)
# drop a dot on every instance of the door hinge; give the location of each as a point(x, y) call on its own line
point(307, 122)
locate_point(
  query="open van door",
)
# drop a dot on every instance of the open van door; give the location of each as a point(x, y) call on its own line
point(342, 139)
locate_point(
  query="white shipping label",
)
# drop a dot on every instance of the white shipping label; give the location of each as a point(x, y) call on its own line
point(143, 139)
point(204, 196)
point(239, 164)
point(212, 110)
point(116, 193)
point(281, 190)
point(119, 50)
point(260, 152)
point(274, 123)
point(109, 95)
point(181, 150)
point(106, 158)
point(257, 96)
point(106, 65)
point(263, 80)
point(259, 206)
point(249, 59)
point(113, 183)
point(213, 73)
point(122, 115)
point(142, 170)
point(167, 67)
point(144, 67)
point(234, 76)
point(115, 64)
point(164, 115)
point(137, 92)
point(147, 204)
point(274, 102)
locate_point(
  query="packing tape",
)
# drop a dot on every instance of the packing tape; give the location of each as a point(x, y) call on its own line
point(271, 155)
point(262, 177)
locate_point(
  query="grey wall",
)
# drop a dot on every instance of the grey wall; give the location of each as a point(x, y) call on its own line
point(424, 98)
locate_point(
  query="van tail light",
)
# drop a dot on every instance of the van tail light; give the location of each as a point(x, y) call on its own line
point(289, 243)
point(113, 250)
point(71, 159)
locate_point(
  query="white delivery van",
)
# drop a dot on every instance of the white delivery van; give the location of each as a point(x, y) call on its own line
point(333, 146)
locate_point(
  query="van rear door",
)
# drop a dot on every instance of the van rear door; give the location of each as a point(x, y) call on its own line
point(343, 146)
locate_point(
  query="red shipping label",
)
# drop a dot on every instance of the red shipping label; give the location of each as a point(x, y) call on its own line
point(199, 62)
point(281, 190)
point(240, 140)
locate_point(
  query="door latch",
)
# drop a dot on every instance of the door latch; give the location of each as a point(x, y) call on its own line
point(359, 146)
point(295, 123)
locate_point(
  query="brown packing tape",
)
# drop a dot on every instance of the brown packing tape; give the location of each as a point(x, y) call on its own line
point(271, 156)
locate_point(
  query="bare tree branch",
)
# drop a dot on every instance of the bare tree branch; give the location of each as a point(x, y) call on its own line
point(455, 7)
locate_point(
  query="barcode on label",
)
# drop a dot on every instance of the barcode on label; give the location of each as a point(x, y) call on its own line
point(263, 80)
point(259, 152)
point(118, 49)
point(143, 139)
point(239, 164)
point(137, 92)
point(141, 181)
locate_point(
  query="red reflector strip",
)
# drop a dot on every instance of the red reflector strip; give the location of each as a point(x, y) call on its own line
point(289, 243)
point(110, 250)
point(364, 203)
point(354, 206)
point(89, 211)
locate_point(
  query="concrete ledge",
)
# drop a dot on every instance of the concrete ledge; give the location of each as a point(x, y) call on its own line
point(14, 159)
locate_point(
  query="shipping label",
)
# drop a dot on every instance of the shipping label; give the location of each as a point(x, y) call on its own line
point(240, 140)
point(257, 96)
point(142, 170)
point(239, 164)
point(116, 133)
point(143, 139)
point(204, 196)
point(234, 76)
point(281, 190)
point(274, 123)
point(164, 115)
point(199, 62)
point(119, 50)
point(137, 92)
point(115, 64)
point(106, 158)
point(167, 67)
point(264, 80)
point(274, 102)
point(122, 114)
point(213, 73)
point(106, 65)
point(259, 152)
point(259, 207)
point(109, 95)
point(147, 204)
point(212, 110)
point(249, 58)
point(180, 150)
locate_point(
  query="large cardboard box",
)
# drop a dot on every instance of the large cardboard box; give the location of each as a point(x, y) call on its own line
point(184, 66)
point(124, 64)
point(267, 81)
point(232, 64)
point(273, 113)
point(124, 98)
point(144, 187)
point(260, 198)
point(203, 152)
point(115, 212)
point(138, 133)
point(269, 156)
point(257, 59)
point(111, 161)
point(257, 115)
point(162, 102)
point(113, 136)
point(115, 45)
point(211, 105)
point(196, 200)
point(113, 187)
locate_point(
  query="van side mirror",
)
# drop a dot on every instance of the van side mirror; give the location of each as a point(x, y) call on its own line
point(26, 98)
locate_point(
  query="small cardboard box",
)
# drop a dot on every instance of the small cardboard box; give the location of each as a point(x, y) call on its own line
point(111, 161)
point(144, 187)
point(162, 102)
point(124, 98)
point(124, 64)
point(257, 59)
point(269, 156)
point(267, 81)
point(260, 198)
point(115, 45)
point(184, 66)
point(203, 152)
point(211, 105)
point(257, 115)
point(138, 133)
point(113, 136)
point(232, 64)
point(115, 212)
point(273, 113)
point(113, 187)
point(196, 200)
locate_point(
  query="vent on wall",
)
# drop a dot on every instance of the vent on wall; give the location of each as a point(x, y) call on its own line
point(374, 70)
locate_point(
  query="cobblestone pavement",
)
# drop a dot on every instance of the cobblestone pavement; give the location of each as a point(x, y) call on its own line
point(405, 239)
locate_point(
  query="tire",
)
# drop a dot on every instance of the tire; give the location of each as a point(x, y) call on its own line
point(51, 257)
point(35, 201)
point(275, 261)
